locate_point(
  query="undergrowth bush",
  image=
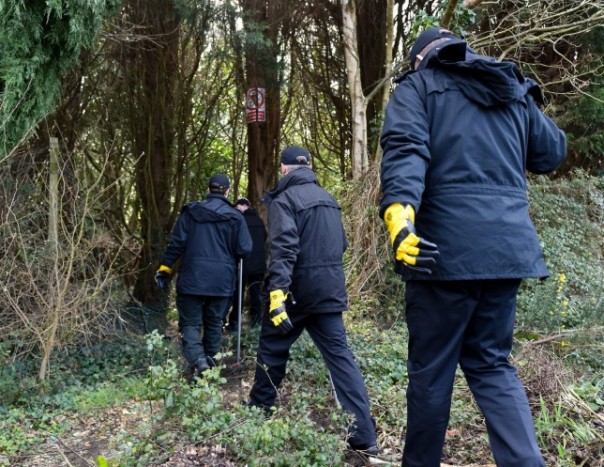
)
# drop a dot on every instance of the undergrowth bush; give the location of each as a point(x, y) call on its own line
point(569, 216)
point(197, 409)
point(85, 378)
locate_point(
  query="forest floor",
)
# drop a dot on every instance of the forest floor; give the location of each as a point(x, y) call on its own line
point(100, 432)
point(94, 434)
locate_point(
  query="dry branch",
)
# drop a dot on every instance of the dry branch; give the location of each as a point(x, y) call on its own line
point(56, 292)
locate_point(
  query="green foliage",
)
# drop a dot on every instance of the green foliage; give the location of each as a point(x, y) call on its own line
point(85, 379)
point(20, 430)
point(569, 429)
point(584, 121)
point(105, 394)
point(294, 439)
point(40, 40)
point(462, 21)
point(199, 411)
point(78, 368)
point(569, 215)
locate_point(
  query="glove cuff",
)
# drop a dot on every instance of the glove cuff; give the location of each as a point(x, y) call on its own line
point(277, 295)
point(396, 211)
point(392, 213)
point(164, 268)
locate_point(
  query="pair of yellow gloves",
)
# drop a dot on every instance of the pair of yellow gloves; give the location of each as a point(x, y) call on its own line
point(277, 311)
point(409, 249)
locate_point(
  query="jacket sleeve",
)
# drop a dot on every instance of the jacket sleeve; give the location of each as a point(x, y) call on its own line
point(285, 245)
point(405, 142)
point(244, 240)
point(546, 148)
point(178, 240)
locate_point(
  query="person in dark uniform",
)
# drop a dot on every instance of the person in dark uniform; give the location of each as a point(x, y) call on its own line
point(307, 290)
point(254, 266)
point(209, 237)
point(460, 131)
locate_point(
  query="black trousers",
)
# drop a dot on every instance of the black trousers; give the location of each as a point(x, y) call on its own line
point(470, 323)
point(329, 335)
point(195, 312)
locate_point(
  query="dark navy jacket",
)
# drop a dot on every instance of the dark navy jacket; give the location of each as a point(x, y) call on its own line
point(457, 140)
point(209, 236)
point(255, 263)
point(307, 244)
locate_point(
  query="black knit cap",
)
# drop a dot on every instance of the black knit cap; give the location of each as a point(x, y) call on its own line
point(219, 182)
point(429, 35)
point(295, 155)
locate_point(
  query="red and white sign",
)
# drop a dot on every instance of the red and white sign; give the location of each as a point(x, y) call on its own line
point(255, 104)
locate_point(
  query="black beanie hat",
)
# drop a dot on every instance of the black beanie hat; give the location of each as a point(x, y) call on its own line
point(429, 35)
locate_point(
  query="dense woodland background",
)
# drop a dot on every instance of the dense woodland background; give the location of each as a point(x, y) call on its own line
point(114, 113)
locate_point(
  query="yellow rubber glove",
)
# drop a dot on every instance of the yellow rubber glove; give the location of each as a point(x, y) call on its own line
point(277, 311)
point(409, 249)
point(163, 276)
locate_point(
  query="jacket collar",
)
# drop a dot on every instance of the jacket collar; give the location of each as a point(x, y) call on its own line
point(218, 196)
point(297, 177)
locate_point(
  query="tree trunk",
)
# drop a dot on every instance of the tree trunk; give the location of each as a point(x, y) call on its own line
point(262, 71)
point(360, 163)
point(387, 72)
point(374, 24)
point(50, 330)
point(154, 68)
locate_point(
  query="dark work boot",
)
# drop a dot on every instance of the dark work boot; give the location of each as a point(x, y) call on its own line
point(202, 364)
point(200, 367)
point(367, 449)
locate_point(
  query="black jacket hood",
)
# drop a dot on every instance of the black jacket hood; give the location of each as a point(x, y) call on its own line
point(297, 177)
point(201, 213)
point(487, 82)
point(482, 79)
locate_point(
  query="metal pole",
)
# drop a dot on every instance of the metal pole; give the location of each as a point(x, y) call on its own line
point(239, 306)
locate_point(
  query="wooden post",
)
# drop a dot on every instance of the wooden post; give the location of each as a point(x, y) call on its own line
point(53, 252)
point(53, 195)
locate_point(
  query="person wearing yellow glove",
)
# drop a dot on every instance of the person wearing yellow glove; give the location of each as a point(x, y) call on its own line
point(307, 291)
point(163, 276)
point(209, 238)
point(278, 312)
point(460, 132)
point(409, 250)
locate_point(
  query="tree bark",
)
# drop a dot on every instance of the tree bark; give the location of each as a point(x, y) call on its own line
point(360, 163)
point(153, 69)
point(389, 40)
point(50, 331)
point(262, 25)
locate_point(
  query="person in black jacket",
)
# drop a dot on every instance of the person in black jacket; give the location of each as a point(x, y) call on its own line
point(307, 290)
point(254, 266)
point(209, 237)
point(460, 131)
